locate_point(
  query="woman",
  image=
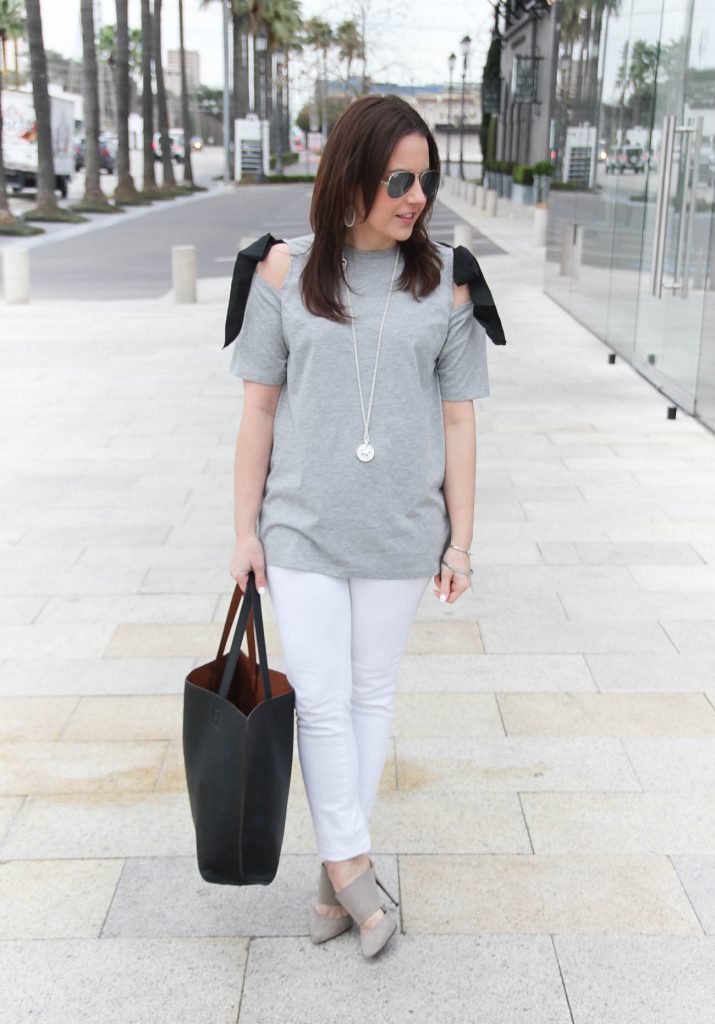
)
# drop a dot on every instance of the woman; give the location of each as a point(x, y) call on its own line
point(356, 452)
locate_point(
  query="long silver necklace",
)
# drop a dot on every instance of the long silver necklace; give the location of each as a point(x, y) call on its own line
point(365, 451)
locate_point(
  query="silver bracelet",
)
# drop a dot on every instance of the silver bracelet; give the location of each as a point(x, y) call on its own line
point(460, 572)
point(467, 551)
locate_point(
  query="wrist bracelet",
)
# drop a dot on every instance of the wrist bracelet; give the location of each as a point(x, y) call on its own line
point(467, 551)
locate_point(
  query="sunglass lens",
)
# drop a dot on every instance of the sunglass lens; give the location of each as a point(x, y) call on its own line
point(429, 182)
point(399, 183)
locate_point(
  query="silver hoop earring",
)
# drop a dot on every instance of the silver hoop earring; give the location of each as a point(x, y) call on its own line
point(349, 224)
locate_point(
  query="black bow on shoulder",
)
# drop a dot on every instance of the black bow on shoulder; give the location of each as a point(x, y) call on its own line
point(243, 271)
point(466, 270)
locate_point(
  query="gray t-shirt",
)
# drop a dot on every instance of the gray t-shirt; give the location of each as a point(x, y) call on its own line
point(323, 509)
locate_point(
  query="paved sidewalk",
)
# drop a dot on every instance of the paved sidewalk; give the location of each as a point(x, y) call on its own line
point(548, 808)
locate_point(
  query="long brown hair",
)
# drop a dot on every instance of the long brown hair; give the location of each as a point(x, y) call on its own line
point(355, 159)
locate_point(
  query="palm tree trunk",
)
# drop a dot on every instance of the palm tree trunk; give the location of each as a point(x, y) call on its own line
point(166, 159)
point(185, 118)
point(6, 217)
point(125, 190)
point(46, 202)
point(147, 101)
point(90, 91)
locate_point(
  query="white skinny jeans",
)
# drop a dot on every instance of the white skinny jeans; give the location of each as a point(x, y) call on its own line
point(342, 639)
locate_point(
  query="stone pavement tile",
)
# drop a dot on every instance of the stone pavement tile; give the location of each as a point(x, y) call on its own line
point(556, 636)
point(697, 875)
point(106, 580)
point(55, 641)
point(476, 607)
point(692, 636)
point(21, 611)
point(79, 767)
point(56, 899)
point(157, 717)
point(640, 979)
point(101, 825)
point(167, 896)
point(34, 718)
point(205, 557)
point(9, 808)
point(607, 714)
point(605, 823)
point(559, 553)
point(122, 981)
point(39, 557)
point(164, 580)
point(667, 577)
point(589, 895)
point(535, 580)
point(446, 714)
point(493, 673)
point(680, 673)
point(615, 553)
point(641, 606)
point(133, 608)
point(409, 822)
point(164, 640)
point(456, 979)
point(94, 675)
point(443, 638)
point(513, 764)
point(706, 549)
point(681, 763)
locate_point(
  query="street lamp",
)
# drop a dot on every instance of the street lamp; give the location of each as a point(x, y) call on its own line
point(451, 60)
point(226, 110)
point(261, 42)
point(465, 46)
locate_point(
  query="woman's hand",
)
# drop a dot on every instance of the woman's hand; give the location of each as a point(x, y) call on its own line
point(453, 584)
point(248, 555)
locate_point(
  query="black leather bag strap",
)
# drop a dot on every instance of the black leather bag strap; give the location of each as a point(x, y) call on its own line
point(251, 599)
point(243, 271)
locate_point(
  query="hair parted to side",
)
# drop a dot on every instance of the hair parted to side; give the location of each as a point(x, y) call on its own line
point(355, 158)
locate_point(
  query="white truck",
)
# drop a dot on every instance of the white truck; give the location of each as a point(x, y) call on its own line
point(19, 140)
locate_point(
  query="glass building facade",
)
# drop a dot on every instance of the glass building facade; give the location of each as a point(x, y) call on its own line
point(631, 235)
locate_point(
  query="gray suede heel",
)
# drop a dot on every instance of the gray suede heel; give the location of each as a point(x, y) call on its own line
point(322, 926)
point(361, 898)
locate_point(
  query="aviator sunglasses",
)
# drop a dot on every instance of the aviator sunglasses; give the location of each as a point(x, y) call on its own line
point(400, 182)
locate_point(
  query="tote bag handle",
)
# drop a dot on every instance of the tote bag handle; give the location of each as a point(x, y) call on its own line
point(251, 602)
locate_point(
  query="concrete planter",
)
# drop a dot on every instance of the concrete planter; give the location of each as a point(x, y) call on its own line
point(507, 186)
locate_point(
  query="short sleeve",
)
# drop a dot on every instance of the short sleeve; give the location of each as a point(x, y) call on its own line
point(259, 350)
point(462, 362)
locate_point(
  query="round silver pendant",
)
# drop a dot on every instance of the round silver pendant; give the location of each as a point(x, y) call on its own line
point(365, 452)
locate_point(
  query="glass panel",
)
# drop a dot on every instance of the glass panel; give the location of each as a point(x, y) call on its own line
point(676, 233)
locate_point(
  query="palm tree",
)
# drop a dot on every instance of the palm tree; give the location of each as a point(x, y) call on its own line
point(350, 45)
point(125, 191)
point(94, 199)
point(185, 119)
point(149, 185)
point(319, 35)
point(166, 160)
point(10, 21)
point(12, 26)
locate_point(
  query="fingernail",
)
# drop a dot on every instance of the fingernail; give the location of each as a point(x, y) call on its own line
point(443, 597)
point(261, 590)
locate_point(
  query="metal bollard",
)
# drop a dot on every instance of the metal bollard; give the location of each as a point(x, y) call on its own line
point(464, 235)
point(183, 273)
point(491, 204)
point(16, 275)
point(471, 192)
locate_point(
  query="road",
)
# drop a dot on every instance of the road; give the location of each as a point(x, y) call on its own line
point(128, 255)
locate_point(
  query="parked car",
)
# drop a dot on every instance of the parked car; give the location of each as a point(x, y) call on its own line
point(626, 158)
point(106, 155)
point(176, 137)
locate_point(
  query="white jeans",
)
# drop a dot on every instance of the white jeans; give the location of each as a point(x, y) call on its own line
point(342, 640)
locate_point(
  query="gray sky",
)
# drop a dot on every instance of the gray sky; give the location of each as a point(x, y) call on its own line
point(408, 42)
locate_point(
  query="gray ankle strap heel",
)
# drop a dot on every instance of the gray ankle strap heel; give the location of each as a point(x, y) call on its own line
point(322, 926)
point(361, 899)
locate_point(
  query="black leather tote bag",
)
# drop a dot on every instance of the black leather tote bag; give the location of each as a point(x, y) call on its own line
point(238, 753)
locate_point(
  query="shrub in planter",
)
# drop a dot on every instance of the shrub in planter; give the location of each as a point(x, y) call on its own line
point(523, 175)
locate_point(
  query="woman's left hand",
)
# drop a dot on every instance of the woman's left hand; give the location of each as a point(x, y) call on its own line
point(453, 584)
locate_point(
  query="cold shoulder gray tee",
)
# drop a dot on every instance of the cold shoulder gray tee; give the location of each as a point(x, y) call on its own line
point(323, 509)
